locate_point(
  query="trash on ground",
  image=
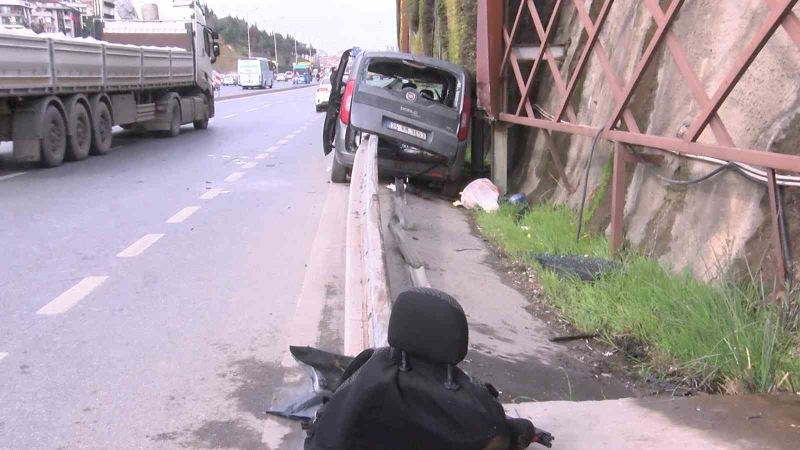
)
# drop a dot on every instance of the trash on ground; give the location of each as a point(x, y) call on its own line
point(584, 267)
point(482, 194)
point(517, 199)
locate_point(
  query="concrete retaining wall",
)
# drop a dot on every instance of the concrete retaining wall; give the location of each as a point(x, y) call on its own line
point(704, 227)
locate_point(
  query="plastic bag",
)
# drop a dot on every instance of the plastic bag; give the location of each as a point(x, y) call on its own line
point(481, 193)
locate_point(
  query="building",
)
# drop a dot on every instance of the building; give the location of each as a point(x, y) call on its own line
point(99, 8)
point(15, 13)
point(56, 17)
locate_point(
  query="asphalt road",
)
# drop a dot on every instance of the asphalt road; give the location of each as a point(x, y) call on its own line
point(147, 296)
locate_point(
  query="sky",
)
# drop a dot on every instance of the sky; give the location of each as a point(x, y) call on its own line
point(331, 25)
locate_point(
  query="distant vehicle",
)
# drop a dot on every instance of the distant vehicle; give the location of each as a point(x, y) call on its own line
point(302, 74)
point(280, 77)
point(289, 75)
point(256, 73)
point(228, 79)
point(322, 94)
point(419, 107)
point(90, 86)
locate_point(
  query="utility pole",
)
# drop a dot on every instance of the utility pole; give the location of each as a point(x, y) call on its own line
point(295, 50)
point(275, 41)
point(249, 55)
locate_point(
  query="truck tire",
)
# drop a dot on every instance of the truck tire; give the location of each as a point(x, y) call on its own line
point(53, 144)
point(174, 120)
point(80, 141)
point(338, 172)
point(102, 135)
point(201, 124)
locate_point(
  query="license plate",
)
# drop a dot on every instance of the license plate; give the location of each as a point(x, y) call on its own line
point(406, 130)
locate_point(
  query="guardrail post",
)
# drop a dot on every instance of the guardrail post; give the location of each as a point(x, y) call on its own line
point(500, 156)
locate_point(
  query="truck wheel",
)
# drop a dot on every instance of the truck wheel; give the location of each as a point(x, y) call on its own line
point(53, 143)
point(102, 134)
point(338, 172)
point(201, 124)
point(174, 120)
point(80, 142)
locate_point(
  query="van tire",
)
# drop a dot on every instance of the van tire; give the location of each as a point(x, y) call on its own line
point(338, 172)
point(53, 144)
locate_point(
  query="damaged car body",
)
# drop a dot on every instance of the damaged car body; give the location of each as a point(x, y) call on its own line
point(419, 107)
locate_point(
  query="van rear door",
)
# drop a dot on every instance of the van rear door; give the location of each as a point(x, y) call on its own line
point(410, 103)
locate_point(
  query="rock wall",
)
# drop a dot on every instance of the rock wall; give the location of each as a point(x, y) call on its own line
point(710, 227)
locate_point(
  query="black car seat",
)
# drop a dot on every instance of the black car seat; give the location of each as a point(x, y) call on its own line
point(411, 395)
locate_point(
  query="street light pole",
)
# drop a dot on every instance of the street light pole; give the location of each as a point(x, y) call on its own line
point(275, 41)
point(249, 54)
point(295, 50)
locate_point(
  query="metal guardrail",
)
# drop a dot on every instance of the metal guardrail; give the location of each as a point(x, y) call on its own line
point(367, 301)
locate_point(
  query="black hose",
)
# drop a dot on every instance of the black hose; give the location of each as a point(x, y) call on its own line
point(705, 177)
point(586, 183)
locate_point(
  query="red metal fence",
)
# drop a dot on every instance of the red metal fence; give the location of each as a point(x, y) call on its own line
point(500, 72)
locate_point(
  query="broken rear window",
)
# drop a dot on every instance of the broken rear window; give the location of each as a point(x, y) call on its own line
point(434, 84)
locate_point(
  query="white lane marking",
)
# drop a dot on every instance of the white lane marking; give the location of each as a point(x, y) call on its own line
point(266, 106)
point(229, 116)
point(272, 149)
point(183, 214)
point(251, 110)
point(72, 296)
point(212, 193)
point(138, 247)
point(234, 176)
point(262, 156)
point(3, 355)
point(12, 175)
point(283, 141)
point(249, 165)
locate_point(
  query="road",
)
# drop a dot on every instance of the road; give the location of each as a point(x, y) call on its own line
point(147, 296)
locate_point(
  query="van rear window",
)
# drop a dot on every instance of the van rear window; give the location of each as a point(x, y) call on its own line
point(434, 84)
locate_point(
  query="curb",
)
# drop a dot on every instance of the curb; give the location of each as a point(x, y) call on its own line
point(367, 303)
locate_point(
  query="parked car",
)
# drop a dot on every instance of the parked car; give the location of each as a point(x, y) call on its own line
point(419, 107)
point(229, 79)
point(322, 94)
point(280, 77)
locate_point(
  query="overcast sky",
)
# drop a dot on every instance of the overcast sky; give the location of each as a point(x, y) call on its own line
point(331, 25)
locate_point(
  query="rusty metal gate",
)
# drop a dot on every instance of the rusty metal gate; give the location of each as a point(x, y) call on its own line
point(500, 71)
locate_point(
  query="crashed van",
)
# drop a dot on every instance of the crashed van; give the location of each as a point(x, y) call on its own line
point(419, 108)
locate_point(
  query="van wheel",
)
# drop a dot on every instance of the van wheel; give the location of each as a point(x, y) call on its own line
point(53, 144)
point(102, 134)
point(174, 120)
point(80, 142)
point(338, 172)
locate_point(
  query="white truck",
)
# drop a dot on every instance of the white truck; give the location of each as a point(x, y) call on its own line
point(60, 97)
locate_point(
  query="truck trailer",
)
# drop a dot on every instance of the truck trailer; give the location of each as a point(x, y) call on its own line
point(61, 97)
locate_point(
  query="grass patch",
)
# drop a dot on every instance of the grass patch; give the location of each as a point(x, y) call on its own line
point(723, 337)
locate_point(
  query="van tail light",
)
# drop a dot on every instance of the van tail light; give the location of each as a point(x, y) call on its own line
point(463, 122)
point(347, 102)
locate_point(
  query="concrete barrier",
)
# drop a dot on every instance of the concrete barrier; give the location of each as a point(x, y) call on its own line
point(367, 302)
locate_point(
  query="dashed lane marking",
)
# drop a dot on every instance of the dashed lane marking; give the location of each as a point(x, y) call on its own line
point(229, 116)
point(212, 193)
point(72, 296)
point(249, 165)
point(234, 176)
point(272, 149)
point(138, 247)
point(11, 175)
point(283, 141)
point(251, 110)
point(262, 156)
point(183, 214)
point(3, 355)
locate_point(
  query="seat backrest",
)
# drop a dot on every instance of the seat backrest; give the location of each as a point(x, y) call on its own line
point(430, 324)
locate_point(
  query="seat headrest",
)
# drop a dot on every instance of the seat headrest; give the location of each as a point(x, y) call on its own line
point(429, 324)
